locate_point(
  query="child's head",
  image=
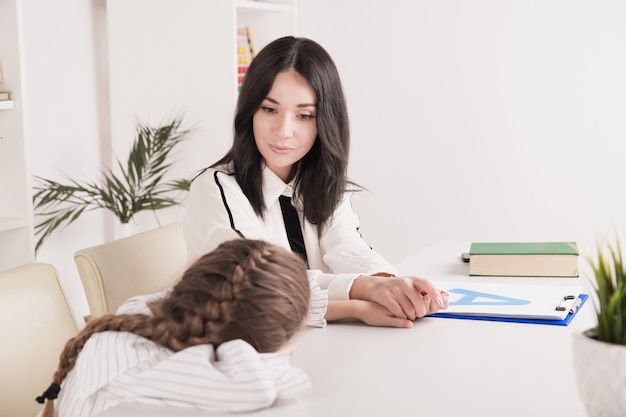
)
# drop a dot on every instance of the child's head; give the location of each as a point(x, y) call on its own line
point(244, 289)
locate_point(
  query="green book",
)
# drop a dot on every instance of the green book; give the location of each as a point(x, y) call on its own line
point(532, 259)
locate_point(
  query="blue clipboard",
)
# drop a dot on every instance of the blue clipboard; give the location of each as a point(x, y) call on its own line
point(564, 322)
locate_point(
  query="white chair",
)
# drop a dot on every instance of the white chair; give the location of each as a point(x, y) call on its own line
point(143, 263)
point(36, 321)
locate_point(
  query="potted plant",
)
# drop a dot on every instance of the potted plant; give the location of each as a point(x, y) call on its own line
point(139, 186)
point(600, 352)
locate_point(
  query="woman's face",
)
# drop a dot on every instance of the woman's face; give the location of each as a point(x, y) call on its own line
point(284, 125)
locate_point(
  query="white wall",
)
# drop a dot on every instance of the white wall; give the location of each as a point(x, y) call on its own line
point(481, 120)
point(67, 114)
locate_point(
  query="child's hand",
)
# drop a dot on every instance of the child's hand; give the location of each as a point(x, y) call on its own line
point(374, 314)
point(368, 312)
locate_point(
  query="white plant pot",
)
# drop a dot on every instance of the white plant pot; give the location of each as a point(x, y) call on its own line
point(600, 369)
point(122, 230)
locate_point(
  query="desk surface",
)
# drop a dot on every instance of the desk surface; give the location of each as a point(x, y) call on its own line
point(440, 367)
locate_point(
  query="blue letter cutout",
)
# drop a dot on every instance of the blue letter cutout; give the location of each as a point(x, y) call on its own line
point(469, 298)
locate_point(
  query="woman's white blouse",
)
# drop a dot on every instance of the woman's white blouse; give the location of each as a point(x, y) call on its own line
point(217, 211)
point(120, 367)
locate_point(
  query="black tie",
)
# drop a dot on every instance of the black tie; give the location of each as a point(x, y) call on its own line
point(292, 225)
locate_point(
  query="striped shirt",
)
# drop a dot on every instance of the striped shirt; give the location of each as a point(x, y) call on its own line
point(121, 367)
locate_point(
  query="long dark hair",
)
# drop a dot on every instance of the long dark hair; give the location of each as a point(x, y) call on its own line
point(321, 176)
point(244, 289)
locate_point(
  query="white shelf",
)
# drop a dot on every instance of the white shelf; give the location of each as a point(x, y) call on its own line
point(263, 6)
point(6, 104)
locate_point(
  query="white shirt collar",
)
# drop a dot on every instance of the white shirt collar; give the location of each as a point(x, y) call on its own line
point(274, 187)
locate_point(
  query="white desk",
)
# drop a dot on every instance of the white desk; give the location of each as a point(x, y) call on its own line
point(440, 367)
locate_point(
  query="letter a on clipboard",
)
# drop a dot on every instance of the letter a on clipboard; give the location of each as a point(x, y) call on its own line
point(475, 298)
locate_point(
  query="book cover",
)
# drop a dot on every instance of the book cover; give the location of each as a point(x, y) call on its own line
point(524, 248)
point(546, 259)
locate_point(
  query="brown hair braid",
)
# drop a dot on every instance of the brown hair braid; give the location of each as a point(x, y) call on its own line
point(244, 289)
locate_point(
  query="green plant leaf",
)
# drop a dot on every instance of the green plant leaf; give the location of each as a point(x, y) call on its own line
point(609, 282)
point(138, 186)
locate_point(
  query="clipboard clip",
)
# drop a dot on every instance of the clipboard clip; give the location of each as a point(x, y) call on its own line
point(575, 305)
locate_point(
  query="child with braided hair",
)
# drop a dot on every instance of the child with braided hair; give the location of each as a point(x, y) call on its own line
point(219, 340)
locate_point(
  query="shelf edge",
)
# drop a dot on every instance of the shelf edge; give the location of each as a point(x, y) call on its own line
point(6, 104)
point(262, 6)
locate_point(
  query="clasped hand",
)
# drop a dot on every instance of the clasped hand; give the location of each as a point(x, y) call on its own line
point(405, 298)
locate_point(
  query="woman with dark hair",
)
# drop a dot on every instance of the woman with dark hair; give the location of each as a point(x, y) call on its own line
point(292, 139)
point(284, 180)
point(219, 340)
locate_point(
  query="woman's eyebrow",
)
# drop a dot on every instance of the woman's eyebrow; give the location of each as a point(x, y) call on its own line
point(274, 101)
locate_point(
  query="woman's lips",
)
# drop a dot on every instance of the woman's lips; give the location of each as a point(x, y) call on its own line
point(280, 149)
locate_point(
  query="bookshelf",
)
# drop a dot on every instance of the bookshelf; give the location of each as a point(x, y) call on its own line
point(16, 231)
point(184, 59)
point(265, 21)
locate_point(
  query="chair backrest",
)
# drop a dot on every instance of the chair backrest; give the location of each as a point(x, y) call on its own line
point(36, 320)
point(143, 263)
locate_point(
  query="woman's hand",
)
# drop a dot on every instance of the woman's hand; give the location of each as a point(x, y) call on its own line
point(404, 297)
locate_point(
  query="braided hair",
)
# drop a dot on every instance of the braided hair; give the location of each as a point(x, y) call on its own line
point(244, 289)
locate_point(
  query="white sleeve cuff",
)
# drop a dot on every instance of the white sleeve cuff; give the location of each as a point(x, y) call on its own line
point(318, 302)
point(339, 286)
